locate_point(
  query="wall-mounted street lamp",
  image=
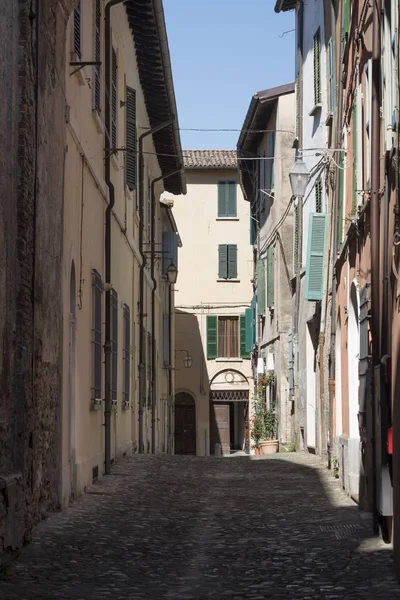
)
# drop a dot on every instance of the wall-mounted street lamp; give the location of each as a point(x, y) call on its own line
point(172, 274)
point(299, 176)
point(187, 361)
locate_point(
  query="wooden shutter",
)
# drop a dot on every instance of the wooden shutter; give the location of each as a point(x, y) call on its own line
point(318, 196)
point(126, 354)
point(346, 15)
point(232, 261)
point(244, 353)
point(78, 29)
point(331, 91)
point(166, 344)
point(270, 276)
point(253, 230)
point(97, 55)
point(271, 154)
point(222, 208)
point(261, 286)
point(113, 98)
point(354, 133)
point(253, 320)
point(223, 261)
point(97, 349)
point(296, 239)
point(114, 344)
point(249, 330)
point(231, 198)
point(130, 137)
point(315, 257)
point(341, 203)
point(212, 336)
point(317, 67)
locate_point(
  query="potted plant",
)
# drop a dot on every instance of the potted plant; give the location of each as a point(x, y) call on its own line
point(269, 444)
point(257, 430)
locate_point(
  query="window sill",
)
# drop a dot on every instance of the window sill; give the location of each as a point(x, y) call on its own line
point(229, 359)
point(227, 219)
point(98, 120)
point(228, 280)
point(314, 111)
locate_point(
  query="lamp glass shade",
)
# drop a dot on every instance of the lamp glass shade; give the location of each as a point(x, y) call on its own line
point(187, 361)
point(172, 273)
point(299, 177)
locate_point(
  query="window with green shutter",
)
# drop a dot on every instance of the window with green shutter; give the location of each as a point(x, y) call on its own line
point(130, 138)
point(317, 67)
point(261, 286)
point(315, 257)
point(318, 196)
point(212, 336)
point(341, 203)
point(331, 81)
point(227, 199)
point(244, 353)
point(270, 276)
point(249, 329)
point(354, 133)
point(227, 261)
point(346, 15)
point(295, 238)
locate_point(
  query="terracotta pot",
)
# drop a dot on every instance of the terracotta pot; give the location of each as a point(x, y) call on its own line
point(269, 447)
point(257, 451)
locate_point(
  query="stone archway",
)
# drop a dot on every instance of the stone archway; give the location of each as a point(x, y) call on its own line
point(185, 424)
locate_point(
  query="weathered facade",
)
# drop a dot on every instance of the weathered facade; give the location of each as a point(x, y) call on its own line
point(32, 152)
point(213, 292)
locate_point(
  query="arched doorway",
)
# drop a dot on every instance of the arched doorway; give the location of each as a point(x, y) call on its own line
point(185, 424)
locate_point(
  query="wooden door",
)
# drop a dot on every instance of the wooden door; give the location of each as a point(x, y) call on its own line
point(185, 424)
point(220, 427)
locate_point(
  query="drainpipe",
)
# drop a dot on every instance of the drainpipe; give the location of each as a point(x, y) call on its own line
point(170, 390)
point(335, 218)
point(153, 307)
point(107, 241)
point(142, 346)
point(375, 229)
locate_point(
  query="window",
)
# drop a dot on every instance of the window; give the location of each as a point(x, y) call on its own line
point(227, 200)
point(271, 154)
point(97, 290)
point(227, 261)
point(114, 99)
point(331, 82)
point(166, 341)
point(317, 68)
point(114, 345)
point(126, 356)
point(261, 286)
point(97, 55)
point(318, 196)
point(315, 257)
point(130, 138)
point(78, 30)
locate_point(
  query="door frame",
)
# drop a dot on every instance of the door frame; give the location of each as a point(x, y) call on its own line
point(193, 404)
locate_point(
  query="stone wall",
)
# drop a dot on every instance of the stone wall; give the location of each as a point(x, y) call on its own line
point(32, 148)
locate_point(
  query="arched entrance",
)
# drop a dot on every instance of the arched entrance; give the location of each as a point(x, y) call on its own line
point(185, 424)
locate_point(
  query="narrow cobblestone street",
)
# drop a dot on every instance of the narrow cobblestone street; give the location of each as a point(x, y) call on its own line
point(195, 528)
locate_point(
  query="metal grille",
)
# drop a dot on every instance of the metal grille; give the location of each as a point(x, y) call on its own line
point(344, 532)
point(97, 290)
point(114, 344)
point(131, 154)
point(97, 56)
point(114, 99)
point(126, 353)
point(77, 30)
point(229, 395)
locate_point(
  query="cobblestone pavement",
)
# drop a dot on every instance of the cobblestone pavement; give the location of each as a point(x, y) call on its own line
point(197, 528)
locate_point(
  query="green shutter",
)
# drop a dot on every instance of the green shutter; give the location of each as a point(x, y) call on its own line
point(253, 320)
point(249, 329)
point(231, 200)
point(330, 77)
point(315, 257)
point(232, 261)
point(317, 67)
point(227, 200)
point(222, 261)
point(296, 239)
point(212, 336)
point(261, 286)
point(346, 15)
point(354, 199)
point(270, 276)
point(244, 353)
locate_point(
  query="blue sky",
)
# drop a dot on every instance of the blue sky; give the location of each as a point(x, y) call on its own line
point(222, 52)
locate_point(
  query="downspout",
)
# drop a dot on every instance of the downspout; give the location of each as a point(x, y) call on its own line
point(142, 365)
point(335, 218)
point(153, 307)
point(107, 241)
point(375, 229)
point(170, 390)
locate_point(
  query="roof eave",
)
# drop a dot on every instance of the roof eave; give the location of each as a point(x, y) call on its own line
point(285, 5)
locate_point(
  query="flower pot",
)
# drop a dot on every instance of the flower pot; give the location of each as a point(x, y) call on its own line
point(257, 451)
point(269, 446)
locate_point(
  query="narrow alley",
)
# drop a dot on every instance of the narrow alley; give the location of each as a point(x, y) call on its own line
point(194, 528)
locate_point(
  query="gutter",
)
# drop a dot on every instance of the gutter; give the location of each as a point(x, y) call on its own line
point(107, 240)
point(153, 308)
